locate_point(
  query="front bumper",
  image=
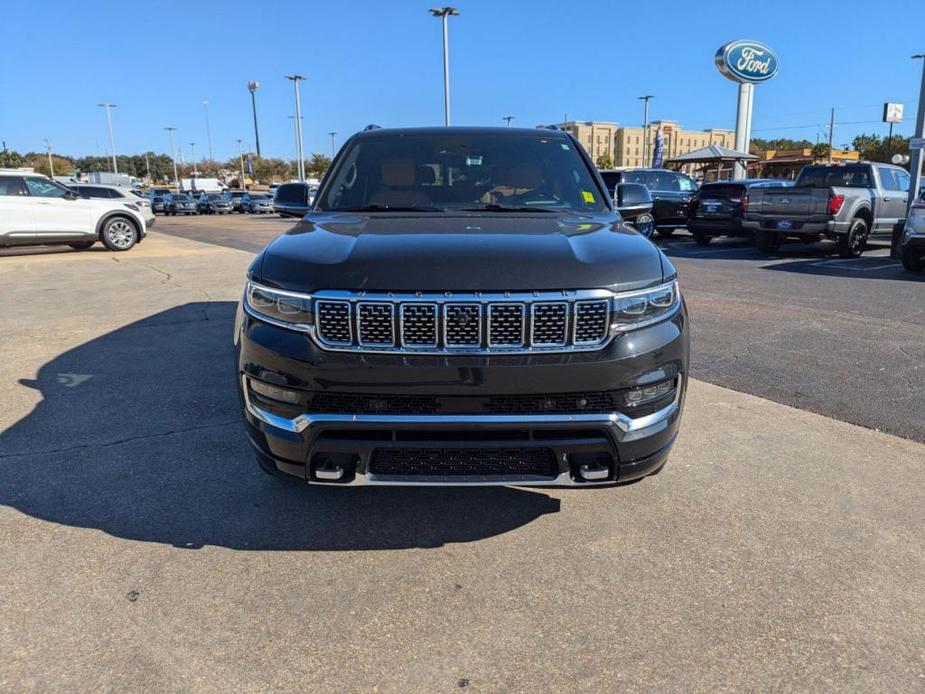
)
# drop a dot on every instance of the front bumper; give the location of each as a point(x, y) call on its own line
point(297, 443)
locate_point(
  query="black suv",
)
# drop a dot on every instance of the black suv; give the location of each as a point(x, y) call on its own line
point(462, 306)
point(672, 194)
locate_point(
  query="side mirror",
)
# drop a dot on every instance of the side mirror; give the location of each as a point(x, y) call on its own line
point(633, 196)
point(71, 195)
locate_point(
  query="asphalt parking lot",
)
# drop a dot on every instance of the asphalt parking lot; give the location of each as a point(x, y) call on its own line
point(779, 550)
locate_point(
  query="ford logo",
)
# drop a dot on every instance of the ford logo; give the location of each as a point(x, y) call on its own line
point(747, 61)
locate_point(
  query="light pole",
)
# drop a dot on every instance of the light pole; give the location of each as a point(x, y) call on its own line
point(51, 165)
point(333, 134)
point(241, 155)
point(916, 167)
point(298, 123)
point(252, 87)
point(112, 144)
point(295, 131)
point(205, 106)
point(445, 13)
point(645, 128)
point(173, 156)
point(508, 119)
point(192, 146)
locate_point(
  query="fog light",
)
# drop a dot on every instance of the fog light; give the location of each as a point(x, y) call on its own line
point(274, 392)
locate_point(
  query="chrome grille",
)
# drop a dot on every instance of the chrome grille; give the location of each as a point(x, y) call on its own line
point(463, 322)
point(506, 325)
point(591, 318)
point(550, 324)
point(419, 325)
point(462, 325)
point(376, 324)
point(334, 322)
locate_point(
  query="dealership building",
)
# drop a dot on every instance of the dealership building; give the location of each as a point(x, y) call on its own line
point(624, 145)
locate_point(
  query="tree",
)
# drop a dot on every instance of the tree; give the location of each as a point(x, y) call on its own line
point(759, 145)
point(604, 162)
point(317, 165)
point(63, 166)
point(10, 159)
point(875, 148)
point(821, 150)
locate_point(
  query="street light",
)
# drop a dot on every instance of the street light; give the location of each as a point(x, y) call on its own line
point(205, 106)
point(645, 128)
point(333, 144)
point(241, 155)
point(252, 87)
point(445, 13)
point(295, 131)
point(51, 166)
point(508, 119)
point(192, 146)
point(112, 144)
point(298, 122)
point(173, 156)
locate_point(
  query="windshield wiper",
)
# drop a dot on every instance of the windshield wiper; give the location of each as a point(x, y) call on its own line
point(494, 207)
point(388, 208)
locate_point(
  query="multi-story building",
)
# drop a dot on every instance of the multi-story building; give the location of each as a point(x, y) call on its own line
point(624, 145)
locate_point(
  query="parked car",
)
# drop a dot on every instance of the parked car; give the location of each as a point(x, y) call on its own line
point(717, 208)
point(672, 194)
point(156, 196)
point(912, 246)
point(634, 203)
point(844, 202)
point(214, 203)
point(234, 197)
point(34, 210)
point(127, 196)
point(384, 339)
point(257, 203)
point(292, 200)
point(180, 203)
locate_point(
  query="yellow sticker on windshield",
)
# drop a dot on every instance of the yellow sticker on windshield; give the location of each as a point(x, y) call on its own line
point(588, 196)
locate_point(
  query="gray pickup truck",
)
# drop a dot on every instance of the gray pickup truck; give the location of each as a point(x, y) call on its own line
point(844, 202)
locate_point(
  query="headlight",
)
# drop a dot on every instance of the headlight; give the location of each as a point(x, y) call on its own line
point(635, 309)
point(289, 309)
point(131, 206)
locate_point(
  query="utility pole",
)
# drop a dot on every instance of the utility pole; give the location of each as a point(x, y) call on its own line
point(51, 165)
point(173, 157)
point(241, 155)
point(333, 134)
point(147, 167)
point(192, 146)
point(508, 119)
point(252, 87)
point(112, 144)
point(645, 128)
point(445, 13)
point(205, 106)
point(831, 133)
point(298, 123)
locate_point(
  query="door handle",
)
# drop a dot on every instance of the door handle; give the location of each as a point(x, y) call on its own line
point(43, 202)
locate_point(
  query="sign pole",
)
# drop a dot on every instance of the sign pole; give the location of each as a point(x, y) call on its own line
point(743, 118)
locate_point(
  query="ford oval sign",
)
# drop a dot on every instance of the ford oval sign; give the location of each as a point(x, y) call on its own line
point(747, 61)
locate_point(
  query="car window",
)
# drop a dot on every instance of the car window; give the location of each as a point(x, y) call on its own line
point(463, 170)
point(834, 176)
point(887, 178)
point(42, 188)
point(904, 180)
point(11, 185)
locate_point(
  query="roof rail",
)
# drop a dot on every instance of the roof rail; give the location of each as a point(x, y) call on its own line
point(372, 126)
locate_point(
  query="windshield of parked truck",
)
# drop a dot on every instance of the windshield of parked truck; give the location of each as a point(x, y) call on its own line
point(527, 171)
point(834, 176)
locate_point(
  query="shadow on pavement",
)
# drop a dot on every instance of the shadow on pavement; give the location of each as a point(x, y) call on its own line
point(138, 434)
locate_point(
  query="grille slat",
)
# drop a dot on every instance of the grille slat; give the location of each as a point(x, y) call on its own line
point(334, 322)
point(456, 462)
point(550, 324)
point(419, 325)
point(591, 318)
point(505, 325)
point(462, 325)
point(376, 324)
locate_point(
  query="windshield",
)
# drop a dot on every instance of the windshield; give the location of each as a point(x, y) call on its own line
point(470, 171)
point(829, 176)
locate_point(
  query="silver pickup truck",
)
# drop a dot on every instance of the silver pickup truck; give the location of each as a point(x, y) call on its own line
point(844, 202)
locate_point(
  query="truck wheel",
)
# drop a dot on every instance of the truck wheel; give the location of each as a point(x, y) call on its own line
point(768, 242)
point(700, 238)
point(119, 234)
point(82, 246)
point(852, 244)
point(913, 260)
point(664, 233)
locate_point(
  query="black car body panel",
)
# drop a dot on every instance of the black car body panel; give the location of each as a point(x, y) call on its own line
point(531, 414)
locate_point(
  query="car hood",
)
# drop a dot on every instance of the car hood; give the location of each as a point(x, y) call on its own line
point(466, 252)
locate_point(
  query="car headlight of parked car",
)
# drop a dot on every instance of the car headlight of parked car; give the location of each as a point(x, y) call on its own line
point(635, 309)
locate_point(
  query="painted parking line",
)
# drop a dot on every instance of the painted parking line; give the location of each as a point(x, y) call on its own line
point(853, 265)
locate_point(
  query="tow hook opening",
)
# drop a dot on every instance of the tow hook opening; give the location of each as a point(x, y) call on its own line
point(333, 467)
point(592, 467)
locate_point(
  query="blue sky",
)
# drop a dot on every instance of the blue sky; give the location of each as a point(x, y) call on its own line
point(381, 62)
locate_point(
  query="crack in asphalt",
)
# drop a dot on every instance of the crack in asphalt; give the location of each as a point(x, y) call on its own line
point(129, 439)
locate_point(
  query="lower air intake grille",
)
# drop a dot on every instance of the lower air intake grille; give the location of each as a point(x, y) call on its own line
point(449, 462)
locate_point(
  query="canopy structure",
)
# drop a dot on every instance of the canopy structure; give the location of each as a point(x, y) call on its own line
point(712, 159)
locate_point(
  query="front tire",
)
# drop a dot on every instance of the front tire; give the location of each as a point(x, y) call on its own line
point(768, 242)
point(119, 234)
point(913, 260)
point(700, 238)
point(852, 244)
point(82, 246)
point(664, 233)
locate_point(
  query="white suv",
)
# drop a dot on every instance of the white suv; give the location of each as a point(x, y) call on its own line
point(36, 210)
